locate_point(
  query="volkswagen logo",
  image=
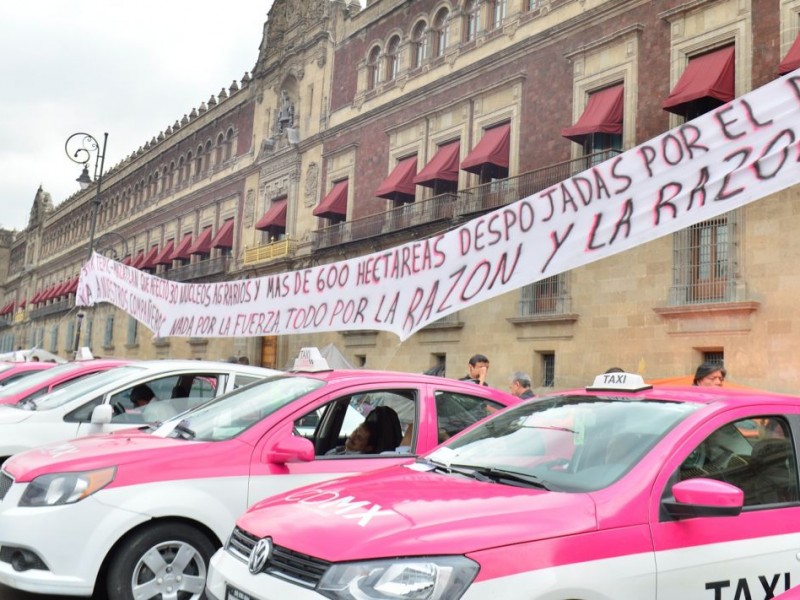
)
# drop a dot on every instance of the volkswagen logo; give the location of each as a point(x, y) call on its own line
point(260, 555)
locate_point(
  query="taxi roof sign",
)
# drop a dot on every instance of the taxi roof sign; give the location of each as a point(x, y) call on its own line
point(310, 360)
point(619, 382)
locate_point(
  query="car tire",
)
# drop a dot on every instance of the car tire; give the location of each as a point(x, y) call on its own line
point(161, 561)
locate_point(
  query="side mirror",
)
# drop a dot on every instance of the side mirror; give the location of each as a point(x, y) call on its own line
point(291, 448)
point(102, 413)
point(701, 497)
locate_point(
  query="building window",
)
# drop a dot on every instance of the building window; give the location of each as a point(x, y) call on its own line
point(373, 68)
point(419, 44)
point(220, 151)
point(715, 357)
point(439, 368)
point(133, 332)
point(497, 12)
point(441, 32)
point(54, 339)
point(472, 17)
point(87, 336)
point(706, 261)
point(229, 144)
point(69, 337)
point(596, 145)
point(546, 297)
point(108, 335)
point(533, 4)
point(548, 369)
point(392, 50)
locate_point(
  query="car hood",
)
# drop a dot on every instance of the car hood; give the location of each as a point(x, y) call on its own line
point(10, 415)
point(93, 452)
point(402, 512)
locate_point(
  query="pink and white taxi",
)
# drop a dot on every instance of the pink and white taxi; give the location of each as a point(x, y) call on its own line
point(619, 491)
point(138, 514)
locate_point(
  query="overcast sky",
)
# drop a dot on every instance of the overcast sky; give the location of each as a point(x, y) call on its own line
point(127, 68)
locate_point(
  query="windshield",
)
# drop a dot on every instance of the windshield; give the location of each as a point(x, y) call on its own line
point(81, 388)
point(35, 379)
point(228, 415)
point(566, 443)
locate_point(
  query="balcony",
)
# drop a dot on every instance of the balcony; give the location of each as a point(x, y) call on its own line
point(505, 191)
point(52, 309)
point(280, 249)
point(438, 208)
point(199, 270)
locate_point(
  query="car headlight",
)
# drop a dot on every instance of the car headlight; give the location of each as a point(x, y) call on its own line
point(65, 488)
point(424, 578)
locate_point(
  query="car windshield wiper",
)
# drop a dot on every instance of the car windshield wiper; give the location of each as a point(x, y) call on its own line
point(490, 474)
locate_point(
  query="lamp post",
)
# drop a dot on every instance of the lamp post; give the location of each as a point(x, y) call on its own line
point(80, 148)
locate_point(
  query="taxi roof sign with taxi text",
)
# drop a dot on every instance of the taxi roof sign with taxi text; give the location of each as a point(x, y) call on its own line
point(310, 360)
point(619, 382)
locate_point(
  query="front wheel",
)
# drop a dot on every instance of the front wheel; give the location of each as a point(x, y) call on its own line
point(166, 562)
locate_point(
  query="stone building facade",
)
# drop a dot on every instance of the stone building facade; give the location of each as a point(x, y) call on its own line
point(362, 127)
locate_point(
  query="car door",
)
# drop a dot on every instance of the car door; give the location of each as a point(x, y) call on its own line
point(748, 556)
point(326, 423)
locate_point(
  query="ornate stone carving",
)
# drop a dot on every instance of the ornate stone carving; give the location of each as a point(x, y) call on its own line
point(249, 207)
point(311, 185)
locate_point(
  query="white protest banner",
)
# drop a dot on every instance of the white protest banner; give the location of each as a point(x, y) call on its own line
point(743, 151)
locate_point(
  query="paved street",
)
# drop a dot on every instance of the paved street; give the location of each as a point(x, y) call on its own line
point(9, 594)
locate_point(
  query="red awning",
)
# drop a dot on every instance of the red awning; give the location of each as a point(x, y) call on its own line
point(442, 167)
point(45, 294)
point(149, 261)
point(6, 308)
point(334, 204)
point(137, 263)
point(399, 185)
point(21, 304)
point(35, 298)
point(127, 260)
point(165, 256)
point(73, 285)
point(706, 76)
point(603, 114)
point(203, 243)
point(274, 217)
point(224, 237)
point(791, 61)
point(182, 251)
point(491, 150)
point(60, 290)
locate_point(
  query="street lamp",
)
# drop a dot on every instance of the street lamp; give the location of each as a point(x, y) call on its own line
point(80, 148)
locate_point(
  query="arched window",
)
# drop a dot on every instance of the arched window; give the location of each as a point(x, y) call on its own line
point(198, 161)
point(441, 32)
point(229, 144)
point(219, 151)
point(392, 51)
point(419, 43)
point(498, 10)
point(373, 68)
point(207, 162)
point(181, 167)
point(472, 19)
